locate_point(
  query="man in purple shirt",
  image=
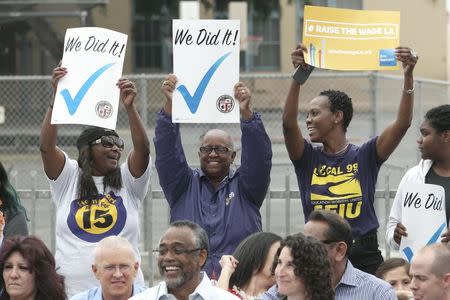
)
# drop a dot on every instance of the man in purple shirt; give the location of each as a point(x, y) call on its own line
point(225, 202)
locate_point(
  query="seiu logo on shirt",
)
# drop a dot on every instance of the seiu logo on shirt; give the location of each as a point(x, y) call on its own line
point(96, 219)
point(337, 189)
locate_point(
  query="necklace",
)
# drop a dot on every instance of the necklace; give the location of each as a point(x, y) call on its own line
point(337, 152)
point(243, 295)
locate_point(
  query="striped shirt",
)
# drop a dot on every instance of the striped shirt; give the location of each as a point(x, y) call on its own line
point(354, 285)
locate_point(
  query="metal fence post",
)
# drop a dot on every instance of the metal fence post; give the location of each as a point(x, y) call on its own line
point(33, 202)
point(288, 203)
point(375, 104)
point(387, 210)
point(268, 200)
point(143, 112)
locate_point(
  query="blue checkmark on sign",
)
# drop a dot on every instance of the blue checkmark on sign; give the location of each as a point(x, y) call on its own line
point(408, 251)
point(73, 104)
point(193, 101)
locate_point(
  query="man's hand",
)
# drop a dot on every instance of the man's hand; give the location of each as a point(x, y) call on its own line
point(243, 95)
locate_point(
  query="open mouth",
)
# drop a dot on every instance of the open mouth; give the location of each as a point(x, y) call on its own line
point(171, 269)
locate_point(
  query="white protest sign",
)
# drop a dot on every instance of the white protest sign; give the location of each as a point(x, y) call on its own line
point(206, 62)
point(423, 214)
point(88, 94)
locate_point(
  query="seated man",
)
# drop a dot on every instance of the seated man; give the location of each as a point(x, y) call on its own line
point(350, 283)
point(223, 201)
point(182, 252)
point(430, 272)
point(115, 266)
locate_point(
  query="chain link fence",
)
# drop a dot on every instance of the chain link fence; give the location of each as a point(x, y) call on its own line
point(24, 101)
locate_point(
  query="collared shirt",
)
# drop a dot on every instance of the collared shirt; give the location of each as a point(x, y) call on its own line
point(95, 293)
point(204, 291)
point(228, 214)
point(354, 285)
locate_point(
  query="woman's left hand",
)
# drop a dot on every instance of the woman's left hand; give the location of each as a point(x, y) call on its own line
point(408, 57)
point(128, 91)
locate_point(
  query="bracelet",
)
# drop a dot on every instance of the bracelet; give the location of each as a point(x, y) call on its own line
point(409, 92)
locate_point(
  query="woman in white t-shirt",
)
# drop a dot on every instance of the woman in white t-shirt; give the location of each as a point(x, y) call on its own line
point(95, 196)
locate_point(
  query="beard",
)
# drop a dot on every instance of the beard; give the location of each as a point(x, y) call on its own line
point(179, 281)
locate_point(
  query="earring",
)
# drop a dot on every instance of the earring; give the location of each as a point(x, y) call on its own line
point(335, 122)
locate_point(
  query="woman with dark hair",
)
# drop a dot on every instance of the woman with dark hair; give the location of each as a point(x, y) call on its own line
point(396, 272)
point(11, 210)
point(302, 269)
point(337, 175)
point(95, 196)
point(433, 168)
point(247, 273)
point(28, 269)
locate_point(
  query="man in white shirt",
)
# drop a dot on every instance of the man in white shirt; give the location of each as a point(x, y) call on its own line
point(430, 272)
point(115, 266)
point(182, 253)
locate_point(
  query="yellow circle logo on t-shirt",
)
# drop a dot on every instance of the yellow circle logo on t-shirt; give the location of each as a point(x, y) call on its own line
point(92, 220)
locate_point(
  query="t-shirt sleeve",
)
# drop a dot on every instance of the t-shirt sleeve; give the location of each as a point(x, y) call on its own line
point(136, 187)
point(16, 225)
point(59, 187)
point(305, 162)
point(369, 152)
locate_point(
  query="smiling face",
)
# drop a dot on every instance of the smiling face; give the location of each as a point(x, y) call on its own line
point(216, 165)
point(104, 159)
point(180, 260)
point(288, 283)
point(430, 142)
point(116, 269)
point(320, 120)
point(18, 277)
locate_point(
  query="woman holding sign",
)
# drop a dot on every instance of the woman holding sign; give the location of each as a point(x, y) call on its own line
point(434, 168)
point(340, 176)
point(95, 196)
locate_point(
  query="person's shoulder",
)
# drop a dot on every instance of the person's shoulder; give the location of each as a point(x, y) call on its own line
point(371, 282)
point(91, 294)
point(145, 294)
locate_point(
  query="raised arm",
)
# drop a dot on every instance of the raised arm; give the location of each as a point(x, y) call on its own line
point(256, 158)
point(293, 138)
point(173, 171)
point(139, 155)
point(393, 134)
point(52, 156)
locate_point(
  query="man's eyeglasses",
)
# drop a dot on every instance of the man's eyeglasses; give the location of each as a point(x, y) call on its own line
point(177, 251)
point(217, 149)
point(108, 141)
point(123, 268)
point(327, 242)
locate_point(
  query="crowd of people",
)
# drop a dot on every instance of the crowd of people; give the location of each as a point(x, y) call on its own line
point(214, 247)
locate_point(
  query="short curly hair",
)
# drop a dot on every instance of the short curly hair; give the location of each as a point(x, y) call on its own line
point(340, 101)
point(311, 264)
